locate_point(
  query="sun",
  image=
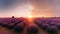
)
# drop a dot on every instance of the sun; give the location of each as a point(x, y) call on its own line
point(30, 16)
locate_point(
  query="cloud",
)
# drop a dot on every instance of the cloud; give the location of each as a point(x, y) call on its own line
point(45, 7)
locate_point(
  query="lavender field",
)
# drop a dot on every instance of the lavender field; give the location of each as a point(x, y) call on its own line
point(29, 26)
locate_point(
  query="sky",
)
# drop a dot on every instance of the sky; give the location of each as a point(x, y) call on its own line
point(25, 8)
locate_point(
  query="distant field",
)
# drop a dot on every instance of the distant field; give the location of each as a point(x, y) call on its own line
point(29, 25)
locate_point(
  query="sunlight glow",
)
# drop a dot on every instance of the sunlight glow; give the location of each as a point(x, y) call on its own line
point(29, 8)
point(29, 16)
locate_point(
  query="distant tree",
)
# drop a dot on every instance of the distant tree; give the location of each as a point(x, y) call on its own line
point(21, 17)
point(12, 16)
